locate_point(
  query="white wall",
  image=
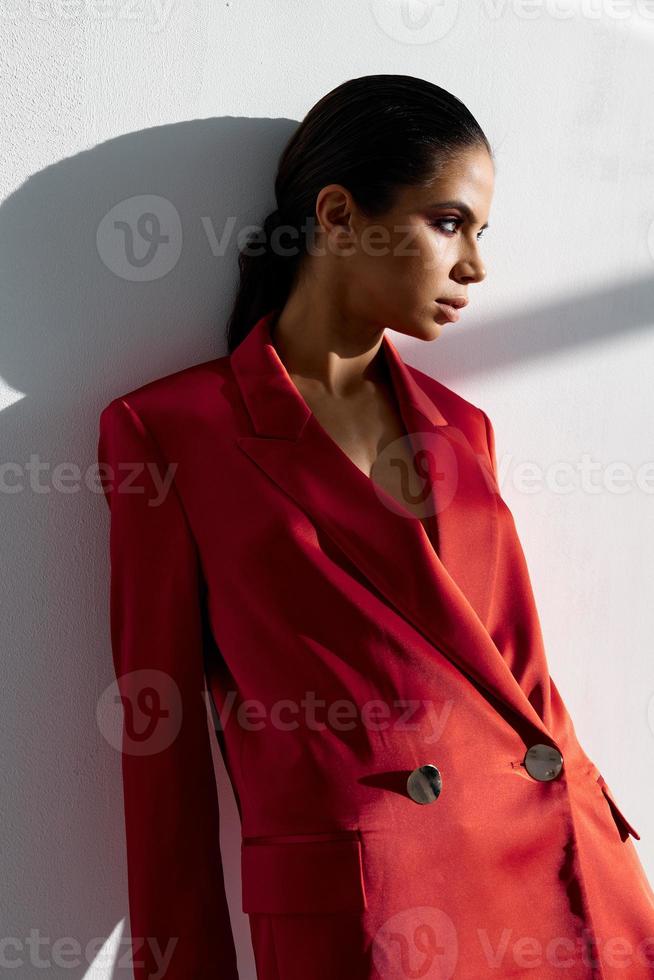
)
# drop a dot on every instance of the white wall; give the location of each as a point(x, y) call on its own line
point(192, 102)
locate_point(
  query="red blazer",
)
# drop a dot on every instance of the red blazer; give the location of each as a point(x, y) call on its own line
point(413, 797)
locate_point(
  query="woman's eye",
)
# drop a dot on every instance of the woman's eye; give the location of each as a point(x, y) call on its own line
point(439, 222)
point(446, 221)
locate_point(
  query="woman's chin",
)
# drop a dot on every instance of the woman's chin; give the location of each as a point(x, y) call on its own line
point(428, 327)
point(436, 324)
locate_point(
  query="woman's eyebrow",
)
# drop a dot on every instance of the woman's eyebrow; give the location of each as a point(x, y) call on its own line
point(462, 207)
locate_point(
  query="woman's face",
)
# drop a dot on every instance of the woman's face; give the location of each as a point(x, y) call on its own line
point(425, 249)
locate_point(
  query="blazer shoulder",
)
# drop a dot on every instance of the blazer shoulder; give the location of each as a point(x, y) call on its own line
point(456, 408)
point(184, 393)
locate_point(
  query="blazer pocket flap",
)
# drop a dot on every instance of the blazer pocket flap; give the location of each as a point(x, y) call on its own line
point(303, 876)
point(623, 824)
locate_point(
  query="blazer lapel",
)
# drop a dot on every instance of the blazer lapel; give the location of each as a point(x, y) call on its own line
point(444, 594)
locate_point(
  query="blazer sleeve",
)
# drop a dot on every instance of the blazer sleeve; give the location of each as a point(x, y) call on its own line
point(177, 902)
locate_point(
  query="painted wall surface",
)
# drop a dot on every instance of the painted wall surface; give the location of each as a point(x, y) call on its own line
point(111, 110)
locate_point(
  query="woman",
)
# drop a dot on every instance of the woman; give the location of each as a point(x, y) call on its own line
point(316, 528)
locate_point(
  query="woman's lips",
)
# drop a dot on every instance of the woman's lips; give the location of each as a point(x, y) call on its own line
point(448, 311)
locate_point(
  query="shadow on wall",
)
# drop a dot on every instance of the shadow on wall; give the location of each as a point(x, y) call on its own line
point(536, 333)
point(119, 266)
point(89, 311)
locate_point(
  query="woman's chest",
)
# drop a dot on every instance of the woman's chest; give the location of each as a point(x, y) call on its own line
point(368, 431)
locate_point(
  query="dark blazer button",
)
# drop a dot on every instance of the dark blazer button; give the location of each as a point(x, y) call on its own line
point(543, 762)
point(424, 784)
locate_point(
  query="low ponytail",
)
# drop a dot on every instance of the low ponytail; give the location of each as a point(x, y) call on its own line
point(266, 276)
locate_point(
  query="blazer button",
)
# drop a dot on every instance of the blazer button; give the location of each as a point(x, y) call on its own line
point(543, 761)
point(424, 784)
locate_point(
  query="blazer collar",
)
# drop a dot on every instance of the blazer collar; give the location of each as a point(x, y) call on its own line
point(274, 402)
point(446, 592)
